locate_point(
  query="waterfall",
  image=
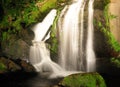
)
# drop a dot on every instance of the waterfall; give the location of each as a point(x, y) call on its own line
point(71, 37)
point(40, 55)
point(75, 55)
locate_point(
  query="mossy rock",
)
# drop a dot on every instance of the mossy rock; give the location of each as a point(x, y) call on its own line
point(83, 80)
point(7, 65)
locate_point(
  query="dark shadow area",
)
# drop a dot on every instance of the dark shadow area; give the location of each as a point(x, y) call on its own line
point(26, 80)
point(109, 72)
point(111, 80)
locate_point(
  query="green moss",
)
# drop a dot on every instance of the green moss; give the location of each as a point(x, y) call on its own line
point(104, 26)
point(48, 5)
point(2, 66)
point(83, 80)
point(54, 40)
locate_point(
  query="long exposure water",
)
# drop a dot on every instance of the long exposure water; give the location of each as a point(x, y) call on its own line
point(73, 54)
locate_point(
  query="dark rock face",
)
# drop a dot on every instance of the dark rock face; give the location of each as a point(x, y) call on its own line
point(83, 80)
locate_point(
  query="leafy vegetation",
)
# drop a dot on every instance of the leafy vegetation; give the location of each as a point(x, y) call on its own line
point(54, 40)
point(17, 15)
point(104, 26)
point(116, 61)
point(106, 29)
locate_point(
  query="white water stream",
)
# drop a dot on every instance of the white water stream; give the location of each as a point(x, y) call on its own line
point(40, 55)
point(73, 54)
point(71, 29)
point(90, 55)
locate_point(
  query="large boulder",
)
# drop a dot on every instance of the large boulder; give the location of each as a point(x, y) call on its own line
point(83, 80)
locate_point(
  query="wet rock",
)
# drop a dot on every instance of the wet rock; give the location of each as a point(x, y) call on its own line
point(83, 80)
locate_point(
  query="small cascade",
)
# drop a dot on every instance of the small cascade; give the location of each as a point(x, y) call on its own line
point(74, 53)
point(39, 54)
point(40, 58)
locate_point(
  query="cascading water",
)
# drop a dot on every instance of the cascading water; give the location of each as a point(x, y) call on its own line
point(90, 55)
point(72, 50)
point(69, 35)
point(71, 31)
point(39, 54)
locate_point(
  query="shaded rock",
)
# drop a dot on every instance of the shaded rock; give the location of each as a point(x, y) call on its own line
point(15, 49)
point(27, 35)
point(83, 80)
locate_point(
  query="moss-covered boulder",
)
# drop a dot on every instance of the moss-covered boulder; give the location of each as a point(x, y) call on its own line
point(10, 65)
point(83, 80)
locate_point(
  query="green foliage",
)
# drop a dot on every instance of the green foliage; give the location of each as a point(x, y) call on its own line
point(5, 36)
point(111, 40)
point(48, 5)
point(83, 80)
point(20, 12)
point(17, 12)
point(116, 61)
point(2, 66)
